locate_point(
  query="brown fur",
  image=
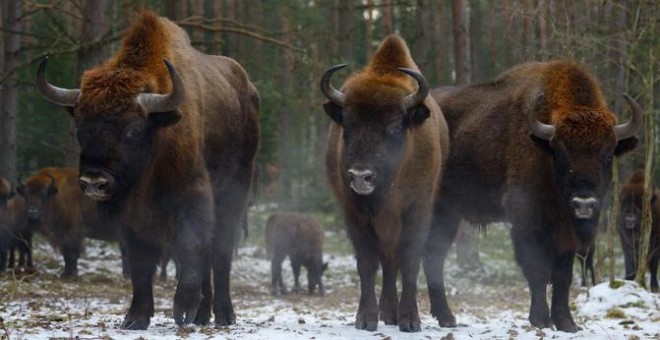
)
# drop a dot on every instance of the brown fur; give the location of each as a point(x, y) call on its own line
point(187, 183)
point(496, 172)
point(631, 198)
point(389, 225)
point(67, 216)
point(301, 238)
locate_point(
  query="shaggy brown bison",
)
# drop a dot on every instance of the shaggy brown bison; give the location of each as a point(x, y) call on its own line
point(300, 237)
point(533, 147)
point(55, 203)
point(168, 139)
point(630, 219)
point(386, 147)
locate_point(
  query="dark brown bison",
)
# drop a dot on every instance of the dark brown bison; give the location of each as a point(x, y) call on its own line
point(386, 148)
point(59, 209)
point(631, 197)
point(15, 229)
point(168, 139)
point(533, 147)
point(301, 238)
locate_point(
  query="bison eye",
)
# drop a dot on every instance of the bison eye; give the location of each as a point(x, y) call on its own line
point(134, 133)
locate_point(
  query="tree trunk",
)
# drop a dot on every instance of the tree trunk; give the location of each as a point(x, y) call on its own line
point(369, 28)
point(492, 52)
point(526, 29)
point(618, 52)
point(541, 30)
point(172, 9)
point(461, 42)
point(387, 22)
point(197, 34)
point(9, 95)
point(422, 38)
point(345, 30)
point(613, 223)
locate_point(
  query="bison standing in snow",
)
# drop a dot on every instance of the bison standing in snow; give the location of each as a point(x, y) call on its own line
point(301, 238)
point(386, 148)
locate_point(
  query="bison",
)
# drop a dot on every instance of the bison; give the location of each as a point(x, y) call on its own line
point(59, 209)
point(533, 147)
point(16, 229)
point(631, 197)
point(386, 148)
point(300, 237)
point(168, 139)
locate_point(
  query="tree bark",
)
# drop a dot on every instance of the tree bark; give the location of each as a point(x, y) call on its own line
point(618, 51)
point(369, 28)
point(387, 22)
point(541, 30)
point(422, 38)
point(461, 42)
point(9, 95)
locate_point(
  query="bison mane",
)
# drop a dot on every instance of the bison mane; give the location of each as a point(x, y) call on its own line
point(137, 67)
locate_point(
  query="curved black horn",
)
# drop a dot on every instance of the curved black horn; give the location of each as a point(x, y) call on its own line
point(54, 94)
point(418, 97)
point(21, 180)
point(328, 90)
point(538, 129)
point(627, 130)
point(154, 102)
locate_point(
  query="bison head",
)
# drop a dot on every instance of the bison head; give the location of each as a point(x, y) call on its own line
point(375, 118)
point(315, 275)
point(631, 199)
point(582, 147)
point(37, 192)
point(116, 135)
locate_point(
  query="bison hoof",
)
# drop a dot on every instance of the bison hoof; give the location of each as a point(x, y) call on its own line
point(410, 327)
point(540, 322)
point(225, 321)
point(446, 320)
point(366, 323)
point(69, 274)
point(187, 300)
point(566, 324)
point(132, 323)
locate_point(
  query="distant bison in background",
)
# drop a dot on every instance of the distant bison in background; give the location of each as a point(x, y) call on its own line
point(15, 230)
point(54, 202)
point(533, 147)
point(630, 219)
point(168, 139)
point(386, 148)
point(301, 238)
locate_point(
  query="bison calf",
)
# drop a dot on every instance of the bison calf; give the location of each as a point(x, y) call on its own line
point(631, 196)
point(301, 238)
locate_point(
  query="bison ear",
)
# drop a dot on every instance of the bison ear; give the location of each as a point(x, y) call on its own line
point(542, 143)
point(419, 114)
point(625, 145)
point(334, 111)
point(163, 119)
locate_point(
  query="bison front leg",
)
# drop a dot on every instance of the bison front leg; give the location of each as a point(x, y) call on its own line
point(366, 253)
point(276, 283)
point(441, 236)
point(295, 268)
point(388, 295)
point(534, 259)
point(71, 248)
point(562, 275)
point(142, 268)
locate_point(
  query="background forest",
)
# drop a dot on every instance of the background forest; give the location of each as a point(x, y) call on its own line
point(286, 45)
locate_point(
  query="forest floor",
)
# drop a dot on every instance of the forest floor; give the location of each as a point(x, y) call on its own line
point(489, 303)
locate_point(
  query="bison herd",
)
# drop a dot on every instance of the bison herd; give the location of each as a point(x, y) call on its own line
point(168, 139)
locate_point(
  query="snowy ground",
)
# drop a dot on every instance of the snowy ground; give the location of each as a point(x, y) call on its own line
point(489, 303)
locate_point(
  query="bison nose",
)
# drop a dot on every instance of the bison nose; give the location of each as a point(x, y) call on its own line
point(96, 187)
point(33, 213)
point(584, 207)
point(630, 221)
point(362, 181)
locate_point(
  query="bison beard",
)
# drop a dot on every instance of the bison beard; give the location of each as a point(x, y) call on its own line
point(385, 151)
point(168, 140)
point(549, 186)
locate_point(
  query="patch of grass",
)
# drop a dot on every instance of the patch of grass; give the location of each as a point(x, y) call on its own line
point(638, 304)
point(615, 313)
point(616, 284)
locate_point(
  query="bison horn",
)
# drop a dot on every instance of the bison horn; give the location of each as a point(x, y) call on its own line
point(154, 102)
point(54, 94)
point(627, 130)
point(418, 97)
point(328, 90)
point(21, 180)
point(52, 180)
point(538, 129)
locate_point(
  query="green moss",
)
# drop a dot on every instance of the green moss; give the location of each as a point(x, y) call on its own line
point(615, 313)
point(616, 284)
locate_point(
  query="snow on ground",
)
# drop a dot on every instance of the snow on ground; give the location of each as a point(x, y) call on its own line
point(489, 303)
